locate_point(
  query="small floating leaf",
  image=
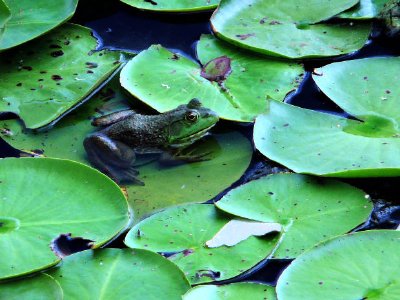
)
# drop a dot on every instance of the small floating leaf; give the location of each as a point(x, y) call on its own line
point(44, 79)
point(42, 287)
point(173, 5)
point(120, 274)
point(42, 198)
point(185, 230)
point(30, 19)
point(363, 265)
point(315, 143)
point(234, 291)
point(309, 209)
point(289, 28)
point(236, 231)
point(217, 69)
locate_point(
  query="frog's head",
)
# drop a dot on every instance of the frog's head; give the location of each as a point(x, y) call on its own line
point(189, 123)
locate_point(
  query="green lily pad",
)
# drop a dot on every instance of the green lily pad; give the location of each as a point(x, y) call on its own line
point(164, 80)
point(235, 291)
point(173, 5)
point(362, 265)
point(289, 28)
point(44, 79)
point(42, 287)
point(185, 230)
point(120, 274)
point(30, 19)
point(318, 143)
point(5, 15)
point(309, 209)
point(43, 198)
point(230, 156)
point(365, 9)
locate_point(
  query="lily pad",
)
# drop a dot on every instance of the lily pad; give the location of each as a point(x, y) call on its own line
point(235, 291)
point(173, 5)
point(163, 80)
point(314, 143)
point(289, 28)
point(185, 230)
point(5, 15)
point(365, 9)
point(309, 209)
point(30, 19)
point(43, 198)
point(230, 156)
point(43, 80)
point(120, 274)
point(42, 287)
point(362, 265)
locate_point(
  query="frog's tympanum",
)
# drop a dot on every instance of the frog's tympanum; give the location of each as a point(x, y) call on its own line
point(113, 149)
point(390, 15)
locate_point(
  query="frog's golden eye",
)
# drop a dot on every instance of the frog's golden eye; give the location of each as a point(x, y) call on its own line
point(192, 116)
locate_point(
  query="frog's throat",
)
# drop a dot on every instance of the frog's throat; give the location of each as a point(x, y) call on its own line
point(190, 139)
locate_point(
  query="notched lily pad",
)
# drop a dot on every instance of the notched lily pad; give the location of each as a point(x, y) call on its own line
point(173, 5)
point(43, 80)
point(185, 231)
point(165, 80)
point(30, 19)
point(120, 274)
point(290, 28)
point(42, 198)
point(363, 265)
point(309, 209)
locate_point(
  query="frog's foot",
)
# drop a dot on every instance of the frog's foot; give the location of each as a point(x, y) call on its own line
point(180, 157)
point(113, 158)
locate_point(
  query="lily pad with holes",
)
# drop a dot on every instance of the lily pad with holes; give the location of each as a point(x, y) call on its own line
point(322, 144)
point(289, 28)
point(173, 5)
point(164, 80)
point(363, 265)
point(42, 287)
point(365, 9)
point(235, 291)
point(30, 19)
point(309, 209)
point(43, 198)
point(230, 155)
point(43, 80)
point(185, 230)
point(120, 274)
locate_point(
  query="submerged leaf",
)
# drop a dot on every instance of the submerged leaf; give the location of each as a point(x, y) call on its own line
point(236, 231)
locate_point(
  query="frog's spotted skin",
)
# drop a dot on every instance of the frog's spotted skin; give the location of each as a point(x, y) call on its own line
point(113, 149)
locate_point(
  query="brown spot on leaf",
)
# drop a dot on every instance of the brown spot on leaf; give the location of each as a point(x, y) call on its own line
point(243, 37)
point(56, 77)
point(274, 22)
point(91, 65)
point(57, 53)
point(28, 68)
point(152, 2)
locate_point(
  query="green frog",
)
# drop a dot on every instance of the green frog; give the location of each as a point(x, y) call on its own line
point(126, 133)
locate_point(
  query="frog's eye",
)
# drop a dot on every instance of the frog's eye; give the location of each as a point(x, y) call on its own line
point(192, 116)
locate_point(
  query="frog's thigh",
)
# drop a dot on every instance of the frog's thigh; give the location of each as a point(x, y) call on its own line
point(110, 151)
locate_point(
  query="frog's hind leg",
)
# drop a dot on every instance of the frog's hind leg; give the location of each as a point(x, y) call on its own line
point(112, 157)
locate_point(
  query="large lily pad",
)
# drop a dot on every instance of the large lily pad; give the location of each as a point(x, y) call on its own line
point(363, 265)
point(173, 5)
point(365, 9)
point(43, 198)
point(235, 291)
point(164, 186)
point(310, 210)
point(5, 15)
point(42, 287)
point(289, 28)
point(30, 19)
point(120, 274)
point(185, 230)
point(164, 80)
point(43, 80)
point(322, 144)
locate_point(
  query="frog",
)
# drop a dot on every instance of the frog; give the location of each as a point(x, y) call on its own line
point(125, 134)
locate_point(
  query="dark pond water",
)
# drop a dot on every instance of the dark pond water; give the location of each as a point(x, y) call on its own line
point(120, 26)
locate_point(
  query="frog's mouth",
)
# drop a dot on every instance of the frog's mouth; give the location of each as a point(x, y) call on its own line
point(190, 139)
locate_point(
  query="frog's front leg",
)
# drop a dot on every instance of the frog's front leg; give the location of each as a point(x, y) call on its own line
point(111, 157)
